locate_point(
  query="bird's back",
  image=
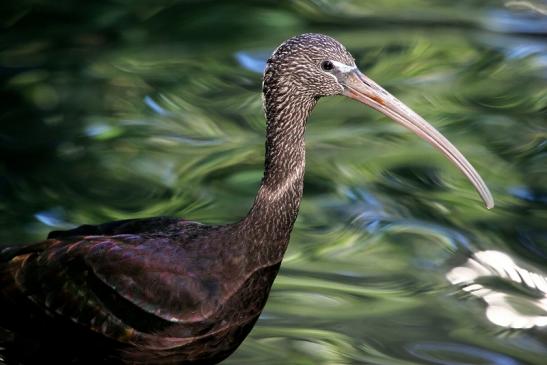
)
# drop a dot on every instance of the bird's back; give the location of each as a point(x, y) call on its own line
point(159, 291)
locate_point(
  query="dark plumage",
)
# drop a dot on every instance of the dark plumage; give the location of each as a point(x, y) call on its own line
point(165, 290)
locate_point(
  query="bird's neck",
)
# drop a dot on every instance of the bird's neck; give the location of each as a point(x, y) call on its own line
point(275, 209)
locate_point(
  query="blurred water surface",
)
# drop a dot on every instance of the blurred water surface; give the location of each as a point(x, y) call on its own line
point(122, 109)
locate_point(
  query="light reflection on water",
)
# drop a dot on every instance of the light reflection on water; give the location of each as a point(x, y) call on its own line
point(393, 260)
point(500, 310)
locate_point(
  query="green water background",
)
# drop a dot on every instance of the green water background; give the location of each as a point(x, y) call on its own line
point(121, 109)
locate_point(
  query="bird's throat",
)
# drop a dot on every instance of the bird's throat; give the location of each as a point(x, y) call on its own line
point(278, 200)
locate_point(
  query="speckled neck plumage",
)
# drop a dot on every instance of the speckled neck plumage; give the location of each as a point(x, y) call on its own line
point(293, 82)
point(276, 206)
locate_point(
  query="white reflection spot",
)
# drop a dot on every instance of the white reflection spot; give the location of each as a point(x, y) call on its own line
point(500, 309)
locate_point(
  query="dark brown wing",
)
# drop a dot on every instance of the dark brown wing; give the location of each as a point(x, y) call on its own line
point(158, 274)
point(128, 287)
point(126, 226)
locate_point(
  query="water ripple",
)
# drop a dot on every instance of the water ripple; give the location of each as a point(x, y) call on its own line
point(252, 61)
point(504, 308)
point(440, 352)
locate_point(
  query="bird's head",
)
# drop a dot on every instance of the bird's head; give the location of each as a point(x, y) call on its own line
point(310, 66)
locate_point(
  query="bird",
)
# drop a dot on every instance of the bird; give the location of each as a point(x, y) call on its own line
point(166, 290)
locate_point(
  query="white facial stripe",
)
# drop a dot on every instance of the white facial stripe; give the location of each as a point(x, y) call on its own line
point(340, 68)
point(343, 67)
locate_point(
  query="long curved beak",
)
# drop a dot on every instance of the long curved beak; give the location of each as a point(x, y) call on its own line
point(359, 87)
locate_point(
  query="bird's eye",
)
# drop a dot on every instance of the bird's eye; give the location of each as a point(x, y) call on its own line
point(327, 65)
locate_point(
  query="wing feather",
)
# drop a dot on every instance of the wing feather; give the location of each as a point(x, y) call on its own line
point(128, 287)
point(126, 226)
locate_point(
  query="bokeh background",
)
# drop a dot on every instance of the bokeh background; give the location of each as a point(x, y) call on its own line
point(120, 109)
